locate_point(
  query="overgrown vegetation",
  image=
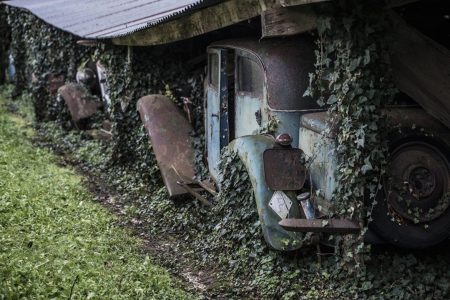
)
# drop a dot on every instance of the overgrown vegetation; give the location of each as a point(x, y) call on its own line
point(5, 37)
point(353, 80)
point(40, 50)
point(226, 240)
point(55, 242)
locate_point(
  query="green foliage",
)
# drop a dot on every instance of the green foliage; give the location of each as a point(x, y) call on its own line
point(55, 242)
point(38, 50)
point(353, 79)
point(226, 239)
point(22, 106)
point(5, 37)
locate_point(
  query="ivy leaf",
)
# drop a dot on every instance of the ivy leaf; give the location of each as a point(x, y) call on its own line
point(332, 99)
point(360, 142)
point(367, 57)
point(354, 64)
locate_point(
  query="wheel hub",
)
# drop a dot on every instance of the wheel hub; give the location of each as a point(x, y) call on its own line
point(419, 180)
point(422, 182)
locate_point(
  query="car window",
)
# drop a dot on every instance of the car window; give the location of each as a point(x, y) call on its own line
point(214, 69)
point(250, 76)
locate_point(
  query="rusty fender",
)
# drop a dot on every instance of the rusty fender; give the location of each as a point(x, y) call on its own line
point(81, 105)
point(169, 132)
point(250, 149)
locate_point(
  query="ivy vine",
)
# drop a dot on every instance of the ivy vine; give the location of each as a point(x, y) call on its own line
point(351, 65)
point(353, 80)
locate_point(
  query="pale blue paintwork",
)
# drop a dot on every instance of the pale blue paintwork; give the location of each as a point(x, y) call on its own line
point(323, 161)
point(288, 122)
point(212, 126)
point(11, 68)
point(250, 146)
point(246, 106)
point(250, 149)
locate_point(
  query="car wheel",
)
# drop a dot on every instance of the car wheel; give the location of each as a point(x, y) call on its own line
point(412, 209)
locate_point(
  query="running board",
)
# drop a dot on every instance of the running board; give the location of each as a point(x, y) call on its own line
point(194, 187)
point(331, 226)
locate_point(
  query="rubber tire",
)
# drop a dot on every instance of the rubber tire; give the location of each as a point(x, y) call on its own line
point(408, 236)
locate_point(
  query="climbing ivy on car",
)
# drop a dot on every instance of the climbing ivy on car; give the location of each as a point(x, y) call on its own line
point(353, 80)
point(227, 238)
point(38, 50)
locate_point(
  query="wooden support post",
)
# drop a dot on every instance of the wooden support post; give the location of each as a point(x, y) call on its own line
point(284, 21)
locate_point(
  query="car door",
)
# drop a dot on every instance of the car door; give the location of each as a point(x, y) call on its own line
point(216, 120)
point(249, 95)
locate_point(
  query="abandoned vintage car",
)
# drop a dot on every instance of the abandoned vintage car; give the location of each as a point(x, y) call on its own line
point(87, 97)
point(255, 105)
point(252, 83)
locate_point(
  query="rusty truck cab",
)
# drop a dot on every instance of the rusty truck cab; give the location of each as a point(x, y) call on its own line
point(255, 105)
point(255, 91)
point(255, 86)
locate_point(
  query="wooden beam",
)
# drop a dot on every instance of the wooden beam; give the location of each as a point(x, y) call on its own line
point(397, 3)
point(296, 16)
point(206, 20)
point(392, 3)
point(280, 17)
point(421, 69)
point(287, 3)
point(284, 21)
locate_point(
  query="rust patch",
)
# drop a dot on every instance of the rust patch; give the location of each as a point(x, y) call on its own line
point(169, 132)
point(331, 226)
point(81, 105)
point(283, 169)
point(54, 82)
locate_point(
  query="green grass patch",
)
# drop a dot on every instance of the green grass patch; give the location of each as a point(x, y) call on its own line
point(55, 242)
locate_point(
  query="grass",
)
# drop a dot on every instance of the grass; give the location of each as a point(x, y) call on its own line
point(55, 241)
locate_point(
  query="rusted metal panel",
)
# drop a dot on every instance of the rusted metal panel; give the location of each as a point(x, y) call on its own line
point(287, 64)
point(169, 132)
point(421, 69)
point(54, 82)
point(81, 105)
point(331, 226)
point(283, 169)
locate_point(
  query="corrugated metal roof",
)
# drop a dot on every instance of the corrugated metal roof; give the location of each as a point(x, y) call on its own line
point(97, 19)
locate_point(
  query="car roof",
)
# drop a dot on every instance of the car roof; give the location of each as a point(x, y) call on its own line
point(287, 63)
